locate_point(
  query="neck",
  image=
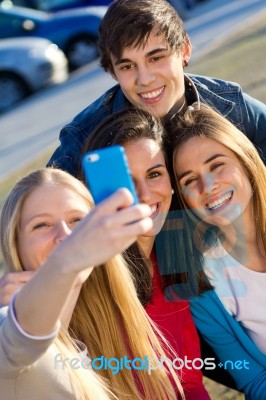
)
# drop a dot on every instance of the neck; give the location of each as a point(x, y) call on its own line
point(179, 108)
point(146, 245)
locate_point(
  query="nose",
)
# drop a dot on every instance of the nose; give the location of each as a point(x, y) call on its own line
point(143, 192)
point(208, 184)
point(145, 75)
point(62, 231)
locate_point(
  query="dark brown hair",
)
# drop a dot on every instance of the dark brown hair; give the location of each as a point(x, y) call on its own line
point(120, 128)
point(129, 23)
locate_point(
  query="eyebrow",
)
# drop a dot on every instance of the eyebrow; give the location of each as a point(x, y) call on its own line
point(156, 166)
point(149, 54)
point(179, 177)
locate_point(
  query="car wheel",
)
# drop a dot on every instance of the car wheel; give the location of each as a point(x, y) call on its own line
point(81, 51)
point(12, 89)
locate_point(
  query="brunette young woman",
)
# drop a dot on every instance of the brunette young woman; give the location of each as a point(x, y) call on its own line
point(141, 135)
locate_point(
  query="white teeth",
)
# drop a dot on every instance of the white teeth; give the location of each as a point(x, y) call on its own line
point(152, 95)
point(153, 208)
point(218, 203)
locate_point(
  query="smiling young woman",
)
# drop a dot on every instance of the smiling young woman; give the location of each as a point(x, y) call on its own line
point(221, 183)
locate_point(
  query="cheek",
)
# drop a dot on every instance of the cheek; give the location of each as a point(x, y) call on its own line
point(190, 197)
point(167, 191)
point(125, 82)
point(25, 252)
point(244, 186)
point(32, 253)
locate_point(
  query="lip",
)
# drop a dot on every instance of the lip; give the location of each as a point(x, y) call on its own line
point(155, 95)
point(214, 202)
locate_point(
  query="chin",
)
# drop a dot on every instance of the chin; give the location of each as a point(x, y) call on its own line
point(151, 233)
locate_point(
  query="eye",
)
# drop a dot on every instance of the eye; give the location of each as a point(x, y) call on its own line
point(75, 221)
point(40, 225)
point(126, 67)
point(189, 181)
point(154, 174)
point(215, 166)
point(156, 58)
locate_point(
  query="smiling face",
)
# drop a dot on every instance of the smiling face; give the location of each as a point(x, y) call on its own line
point(48, 216)
point(151, 76)
point(147, 164)
point(213, 182)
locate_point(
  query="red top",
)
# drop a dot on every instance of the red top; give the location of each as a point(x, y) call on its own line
point(175, 321)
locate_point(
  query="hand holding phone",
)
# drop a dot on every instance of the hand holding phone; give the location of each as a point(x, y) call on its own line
point(106, 170)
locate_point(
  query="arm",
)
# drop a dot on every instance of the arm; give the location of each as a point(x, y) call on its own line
point(19, 350)
point(230, 342)
point(104, 233)
point(72, 137)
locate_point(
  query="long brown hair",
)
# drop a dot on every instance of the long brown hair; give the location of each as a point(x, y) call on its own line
point(121, 128)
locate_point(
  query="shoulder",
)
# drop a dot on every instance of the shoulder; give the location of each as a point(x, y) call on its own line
point(111, 101)
point(214, 84)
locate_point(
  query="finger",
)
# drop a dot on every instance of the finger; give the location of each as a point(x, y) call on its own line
point(122, 198)
point(137, 228)
point(133, 214)
point(126, 235)
point(16, 277)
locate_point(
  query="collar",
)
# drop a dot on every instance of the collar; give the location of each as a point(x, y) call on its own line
point(191, 92)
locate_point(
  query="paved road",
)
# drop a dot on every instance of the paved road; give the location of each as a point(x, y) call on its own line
point(35, 125)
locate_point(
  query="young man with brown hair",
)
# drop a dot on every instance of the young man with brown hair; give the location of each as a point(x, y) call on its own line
point(145, 47)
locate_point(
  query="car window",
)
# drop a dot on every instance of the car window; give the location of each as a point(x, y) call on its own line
point(10, 26)
point(50, 4)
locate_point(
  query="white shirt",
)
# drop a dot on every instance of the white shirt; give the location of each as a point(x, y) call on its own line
point(241, 290)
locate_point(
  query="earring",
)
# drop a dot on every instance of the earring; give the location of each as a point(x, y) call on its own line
point(172, 191)
point(185, 63)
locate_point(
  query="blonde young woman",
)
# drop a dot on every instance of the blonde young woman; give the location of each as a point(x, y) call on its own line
point(79, 295)
point(224, 194)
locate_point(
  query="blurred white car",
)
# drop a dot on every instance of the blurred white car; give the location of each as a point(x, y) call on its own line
point(27, 65)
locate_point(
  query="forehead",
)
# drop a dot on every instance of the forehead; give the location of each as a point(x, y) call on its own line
point(143, 152)
point(199, 149)
point(136, 50)
point(49, 197)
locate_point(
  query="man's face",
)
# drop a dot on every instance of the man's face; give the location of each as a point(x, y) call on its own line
point(151, 76)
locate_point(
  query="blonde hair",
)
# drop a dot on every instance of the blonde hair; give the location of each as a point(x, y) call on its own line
point(204, 122)
point(108, 317)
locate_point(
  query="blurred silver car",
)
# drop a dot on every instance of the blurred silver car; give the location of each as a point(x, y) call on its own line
point(27, 65)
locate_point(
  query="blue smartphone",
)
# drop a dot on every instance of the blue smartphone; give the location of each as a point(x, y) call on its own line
point(106, 170)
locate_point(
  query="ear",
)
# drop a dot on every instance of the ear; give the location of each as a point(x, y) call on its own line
point(186, 51)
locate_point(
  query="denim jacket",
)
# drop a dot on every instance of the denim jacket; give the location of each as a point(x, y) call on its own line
point(247, 113)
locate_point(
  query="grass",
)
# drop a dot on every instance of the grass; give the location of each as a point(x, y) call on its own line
point(7, 184)
point(241, 58)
